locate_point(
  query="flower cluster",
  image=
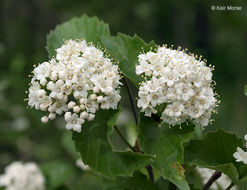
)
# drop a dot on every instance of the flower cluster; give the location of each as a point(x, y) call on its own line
point(240, 155)
point(76, 83)
point(179, 83)
point(19, 176)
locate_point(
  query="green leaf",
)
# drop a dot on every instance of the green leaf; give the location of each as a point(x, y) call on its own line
point(125, 50)
point(93, 181)
point(243, 182)
point(167, 145)
point(137, 182)
point(69, 145)
point(57, 173)
point(215, 151)
point(95, 150)
point(90, 28)
point(193, 177)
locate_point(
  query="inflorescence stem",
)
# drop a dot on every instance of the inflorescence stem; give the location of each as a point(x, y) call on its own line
point(216, 175)
point(135, 113)
point(131, 98)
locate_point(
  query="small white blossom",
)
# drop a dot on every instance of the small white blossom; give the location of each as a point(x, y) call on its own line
point(80, 79)
point(240, 156)
point(74, 122)
point(20, 176)
point(76, 109)
point(52, 116)
point(178, 82)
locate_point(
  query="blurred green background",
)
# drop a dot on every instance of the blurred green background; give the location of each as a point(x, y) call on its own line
point(220, 36)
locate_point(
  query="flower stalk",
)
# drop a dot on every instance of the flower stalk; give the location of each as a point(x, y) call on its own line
point(135, 113)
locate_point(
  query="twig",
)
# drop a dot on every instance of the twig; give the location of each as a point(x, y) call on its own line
point(150, 172)
point(216, 175)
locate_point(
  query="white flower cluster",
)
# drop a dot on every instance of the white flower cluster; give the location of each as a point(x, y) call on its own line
point(222, 183)
point(19, 176)
point(77, 83)
point(178, 82)
point(240, 155)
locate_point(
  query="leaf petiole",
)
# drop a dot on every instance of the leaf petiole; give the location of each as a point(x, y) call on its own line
point(124, 139)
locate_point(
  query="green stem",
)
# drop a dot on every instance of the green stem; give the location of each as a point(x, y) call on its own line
point(135, 113)
point(124, 139)
point(230, 186)
point(131, 98)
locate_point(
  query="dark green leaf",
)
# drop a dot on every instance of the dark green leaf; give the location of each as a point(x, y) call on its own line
point(90, 28)
point(215, 151)
point(125, 50)
point(243, 182)
point(137, 182)
point(193, 177)
point(95, 150)
point(167, 145)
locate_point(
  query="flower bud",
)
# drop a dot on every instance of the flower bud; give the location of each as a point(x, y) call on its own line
point(44, 119)
point(71, 105)
point(52, 116)
point(84, 115)
point(100, 99)
point(96, 90)
point(76, 109)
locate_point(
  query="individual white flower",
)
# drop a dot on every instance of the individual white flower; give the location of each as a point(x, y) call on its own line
point(175, 109)
point(224, 181)
point(34, 95)
point(71, 105)
point(178, 82)
point(59, 106)
point(240, 156)
point(74, 122)
point(184, 91)
point(81, 79)
point(52, 116)
point(45, 102)
point(84, 115)
point(76, 109)
point(20, 176)
point(91, 117)
point(42, 71)
point(56, 89)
